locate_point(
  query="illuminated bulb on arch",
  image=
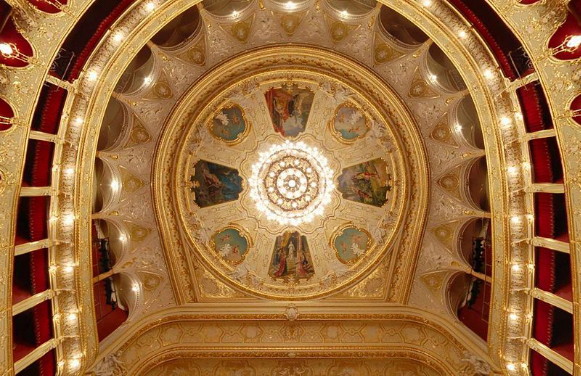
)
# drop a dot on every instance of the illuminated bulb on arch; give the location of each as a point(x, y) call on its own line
point(150, 6)
point(344, 14)
point(511, 367)
point(462, 34)
point(574, 41)
point(505, 121)
point(92, 75)
point(72, 316)
point(516, 268)
point(115, 184)
point(118, 36)
point(512, 170)
point(427, 3)
point(515, 219)
point(68, 219)
point(513, 316)
point(290, 5)
point(75, 363)
point(488, 74)
point(6, 49)
point(135, 287)
point(69, 171)
point(78, 121)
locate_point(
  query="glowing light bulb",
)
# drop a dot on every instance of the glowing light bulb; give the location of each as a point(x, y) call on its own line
point(150, 6)
point(6, 49)
point(290, 5)
point(515, 219)
point(72, 316)
point(512, 170)
point(511, 367)
point(574, 41)
point(135, 287)
point(488, 74)
point(74, 363)
point(505, 121)
point(427, 3)
point(115, 184)
point(118, 36)
point(68, 219)
point(68, 269)
point(513, 316)
point(92, 75)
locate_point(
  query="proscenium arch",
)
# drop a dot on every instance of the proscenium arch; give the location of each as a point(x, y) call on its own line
point(91, 102)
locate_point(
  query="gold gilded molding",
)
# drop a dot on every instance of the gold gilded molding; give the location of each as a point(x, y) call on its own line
point(324, 331)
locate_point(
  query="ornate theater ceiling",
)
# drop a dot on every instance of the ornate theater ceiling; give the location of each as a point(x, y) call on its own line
point(291, 188)
point(294, 163)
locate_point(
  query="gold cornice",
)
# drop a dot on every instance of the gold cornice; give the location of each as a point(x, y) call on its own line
point(308, 313)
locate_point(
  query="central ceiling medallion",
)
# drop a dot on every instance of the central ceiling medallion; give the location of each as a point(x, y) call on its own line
point(291, 183)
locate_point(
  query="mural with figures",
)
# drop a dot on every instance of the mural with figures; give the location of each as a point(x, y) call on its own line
point(214, 184)
point(368, 183)
point(291, 257)
point(229, 124)
point(351, 243)
point(289, 109)
point(231, 245)
point(349, 123)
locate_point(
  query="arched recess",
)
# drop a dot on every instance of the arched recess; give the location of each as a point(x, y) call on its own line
point(115, 298)
point(291, 6)
point(467, 124)
point(15, 50)
point(566, 41)
point(478, 184)
point(6, 115)
point(112, 237)
point(442, 71)
point(474, 245)
point(397, 27)
point(138, 74)
point(224, 8)
point(469, 300)
point(352, 7)
point(49, 6)
point(107, 185)
point(113, 126)
point(181, 29)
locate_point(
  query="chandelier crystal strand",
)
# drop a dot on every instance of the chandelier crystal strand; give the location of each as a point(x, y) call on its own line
point(291, 183)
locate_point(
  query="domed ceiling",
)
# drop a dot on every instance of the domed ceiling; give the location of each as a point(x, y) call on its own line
point(296, 181)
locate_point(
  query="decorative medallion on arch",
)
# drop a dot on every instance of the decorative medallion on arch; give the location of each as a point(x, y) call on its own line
point(309, 201)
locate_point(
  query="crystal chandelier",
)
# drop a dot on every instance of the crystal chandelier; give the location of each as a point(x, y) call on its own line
point(291, 183)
